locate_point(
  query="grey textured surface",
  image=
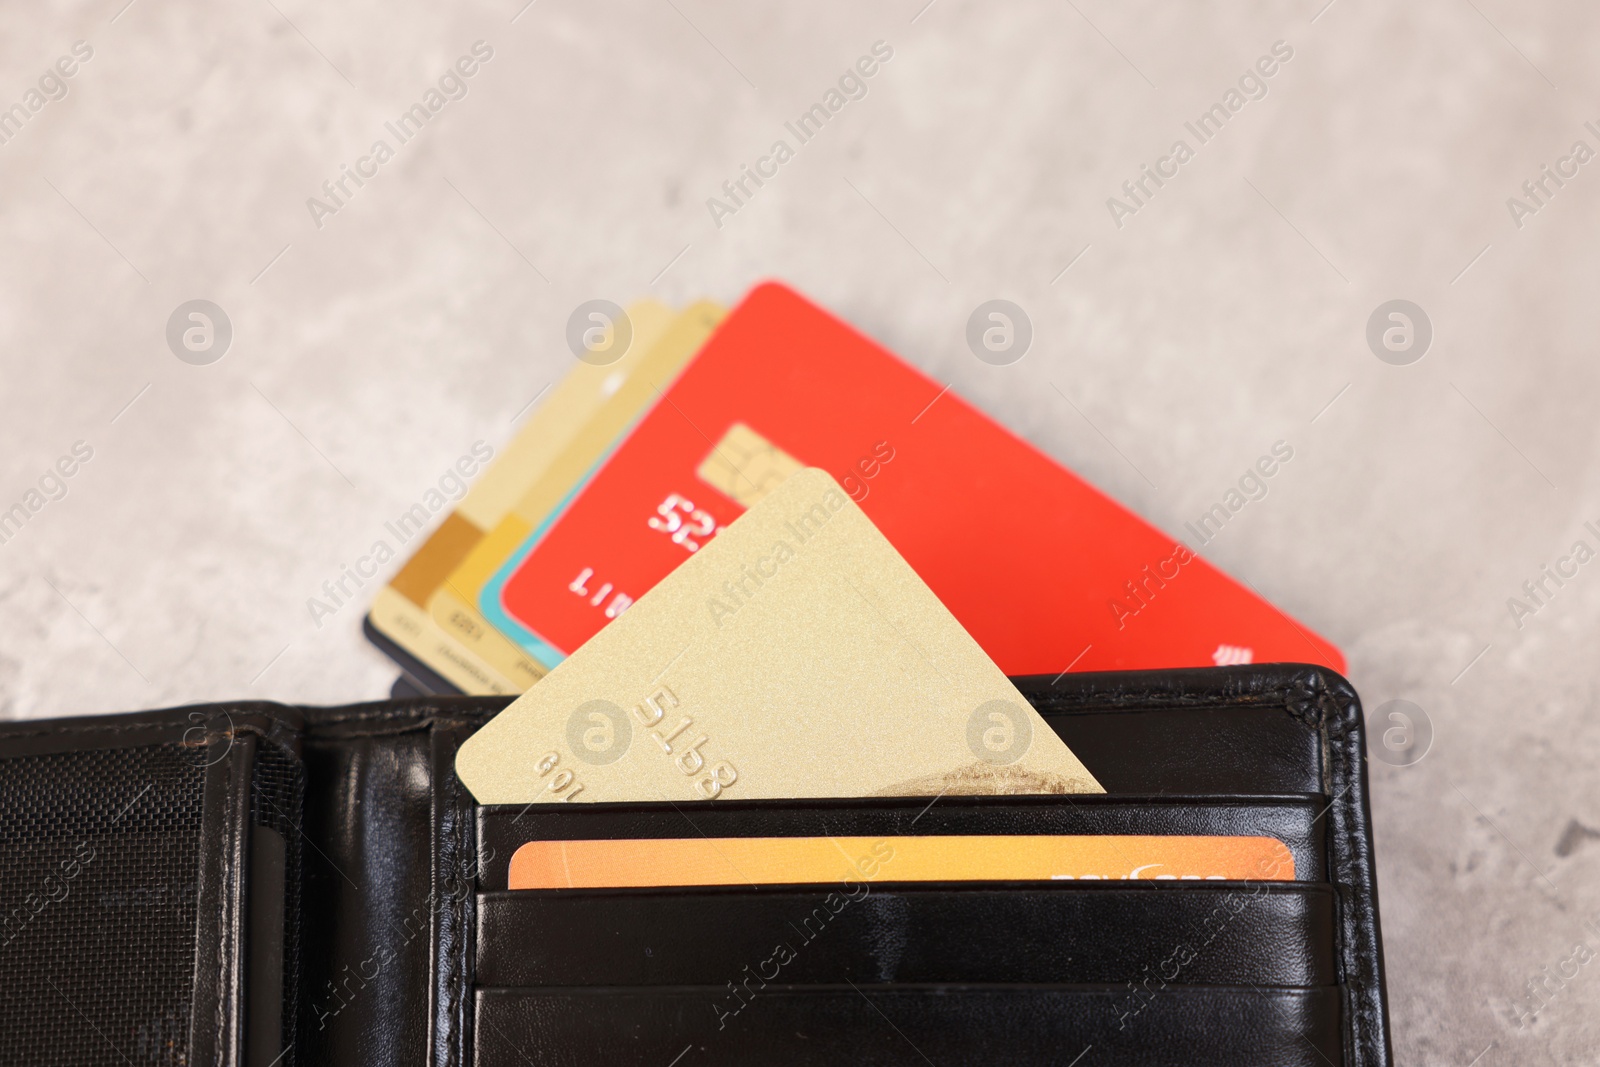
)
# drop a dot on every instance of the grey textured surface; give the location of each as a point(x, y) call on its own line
point(1228, 313)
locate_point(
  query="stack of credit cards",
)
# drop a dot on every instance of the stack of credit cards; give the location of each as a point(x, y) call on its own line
point(634, 463)
point(764, 589)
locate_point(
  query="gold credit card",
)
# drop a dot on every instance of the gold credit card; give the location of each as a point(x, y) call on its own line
point(647, 862)
point(453, 603)
point(796, 654)
point(400, 611)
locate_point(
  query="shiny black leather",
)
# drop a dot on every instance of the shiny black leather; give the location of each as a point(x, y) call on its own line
point(906, 1026)
point(1012, 932)
point(410, 950)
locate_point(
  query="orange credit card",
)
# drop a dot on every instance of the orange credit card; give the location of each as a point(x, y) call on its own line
point(708, 861)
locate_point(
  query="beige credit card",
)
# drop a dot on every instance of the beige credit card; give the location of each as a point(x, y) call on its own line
point(795, 655)
point(400, 611)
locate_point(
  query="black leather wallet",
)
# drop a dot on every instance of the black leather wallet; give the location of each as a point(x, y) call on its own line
point(252, 884)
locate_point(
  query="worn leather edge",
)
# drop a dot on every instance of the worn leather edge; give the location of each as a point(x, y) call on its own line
point(1352, 868)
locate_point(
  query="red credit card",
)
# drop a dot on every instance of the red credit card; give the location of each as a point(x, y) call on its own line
point(1043, 570)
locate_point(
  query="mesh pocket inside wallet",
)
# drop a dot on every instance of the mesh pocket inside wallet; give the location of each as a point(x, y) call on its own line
point(99, 856)
point(113, 891)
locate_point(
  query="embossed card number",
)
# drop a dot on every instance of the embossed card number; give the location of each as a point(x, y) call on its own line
point(669, 520)
point(595, 735)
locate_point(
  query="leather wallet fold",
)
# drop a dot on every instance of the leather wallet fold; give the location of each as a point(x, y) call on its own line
point(255, 885)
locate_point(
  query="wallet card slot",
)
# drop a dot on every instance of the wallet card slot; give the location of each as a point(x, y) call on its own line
point(911, 1026)
point(1258, 933)
point(1295, 820)
point(1219, 750)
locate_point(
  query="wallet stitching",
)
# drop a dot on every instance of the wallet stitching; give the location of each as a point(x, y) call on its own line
point(1298, 699)
point(420, 718)
point(71, 729)
point(336, 719)
point(219, 1021)
point(227, 873)
point(419, 712)
point(94, 723)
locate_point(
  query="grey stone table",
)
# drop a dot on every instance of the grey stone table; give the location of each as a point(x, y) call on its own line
point(1191, 307)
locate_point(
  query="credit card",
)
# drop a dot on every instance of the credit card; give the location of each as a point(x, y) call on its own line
point(793, 655)
point(400, 613)
point(455, 604)
point(744, 861)
point(1042, 569)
